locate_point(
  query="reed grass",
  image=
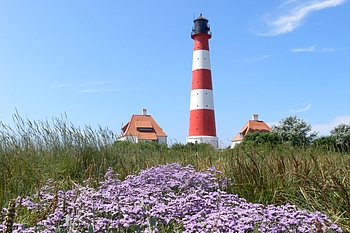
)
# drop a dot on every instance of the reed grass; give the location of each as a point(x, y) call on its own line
point(33, 152)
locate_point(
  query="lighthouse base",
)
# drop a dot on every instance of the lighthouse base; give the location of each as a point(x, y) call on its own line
point(214, 141)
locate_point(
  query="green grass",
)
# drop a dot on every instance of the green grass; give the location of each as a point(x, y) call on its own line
point(33, 152)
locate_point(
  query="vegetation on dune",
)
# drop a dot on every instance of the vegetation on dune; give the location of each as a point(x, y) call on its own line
point(312, 174)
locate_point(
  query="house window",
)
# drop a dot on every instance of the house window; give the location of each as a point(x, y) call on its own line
point(144, 129)
point(241, 135)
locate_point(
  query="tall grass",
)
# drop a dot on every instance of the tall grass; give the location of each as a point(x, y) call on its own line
point(33, 152)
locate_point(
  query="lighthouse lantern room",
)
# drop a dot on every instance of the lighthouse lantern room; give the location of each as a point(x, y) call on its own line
point(202, 127)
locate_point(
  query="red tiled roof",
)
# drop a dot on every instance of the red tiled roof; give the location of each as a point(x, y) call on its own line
point(144, 127)
point(146, 124)
point(250, 127)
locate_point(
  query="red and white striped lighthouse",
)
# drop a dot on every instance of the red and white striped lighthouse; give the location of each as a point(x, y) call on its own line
point(202, 117)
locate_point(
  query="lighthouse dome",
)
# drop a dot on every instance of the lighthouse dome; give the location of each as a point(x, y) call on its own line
point(201, 25)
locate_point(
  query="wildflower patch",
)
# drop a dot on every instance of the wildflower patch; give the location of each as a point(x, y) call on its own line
point(166, 198)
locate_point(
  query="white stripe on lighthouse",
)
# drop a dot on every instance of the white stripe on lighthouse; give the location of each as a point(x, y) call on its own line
point(201, 60)
point(201, 99)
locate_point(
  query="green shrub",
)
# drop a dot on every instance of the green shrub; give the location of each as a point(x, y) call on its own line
point(325, 143)
point(192, 147)
point(261, 138)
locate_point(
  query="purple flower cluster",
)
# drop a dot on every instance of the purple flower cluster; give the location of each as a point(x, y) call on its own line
point(166, 198)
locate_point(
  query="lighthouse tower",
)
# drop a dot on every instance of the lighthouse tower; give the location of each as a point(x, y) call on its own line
point(202, 117)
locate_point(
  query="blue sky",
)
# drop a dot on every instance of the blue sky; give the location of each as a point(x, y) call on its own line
point(99, 62)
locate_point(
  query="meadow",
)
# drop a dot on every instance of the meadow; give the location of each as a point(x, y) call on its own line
point(56, 156)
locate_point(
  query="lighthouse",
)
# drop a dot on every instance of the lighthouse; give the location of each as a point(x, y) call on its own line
point(202, 127)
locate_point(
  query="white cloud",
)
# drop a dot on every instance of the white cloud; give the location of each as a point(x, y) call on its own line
point(314, 49)
point(325, 128)
point(301, 109)
point(96, 83)
point(310, 49)
point(97, 90)
point(260, 58)
point(91, 90)
point(61, 85)
point(291, 14)
point(306, 106)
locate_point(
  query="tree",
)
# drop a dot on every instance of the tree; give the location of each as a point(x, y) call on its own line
point(341, 134)
point(295, 131)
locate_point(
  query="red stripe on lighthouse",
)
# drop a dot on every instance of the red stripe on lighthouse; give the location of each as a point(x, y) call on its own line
point(202, 123)
point(201, 42)
point(201, 79)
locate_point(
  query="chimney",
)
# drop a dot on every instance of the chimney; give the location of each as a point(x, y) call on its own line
point(144, 111)
point(255, 117)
